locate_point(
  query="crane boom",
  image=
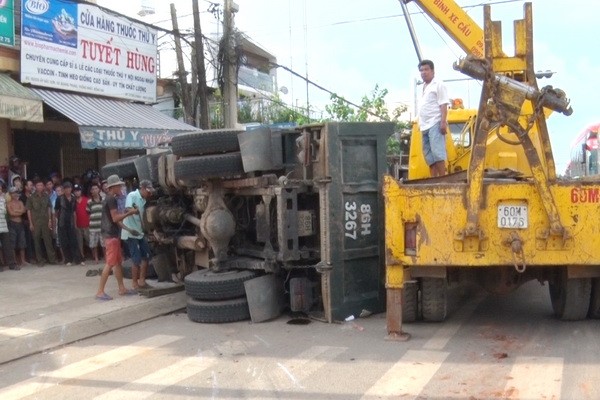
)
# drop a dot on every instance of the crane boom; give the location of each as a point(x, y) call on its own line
point(456, 22)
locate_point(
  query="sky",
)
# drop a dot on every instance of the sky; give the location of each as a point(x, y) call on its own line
point(349, 46)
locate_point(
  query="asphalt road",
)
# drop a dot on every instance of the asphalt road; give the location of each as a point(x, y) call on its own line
point(489, 348)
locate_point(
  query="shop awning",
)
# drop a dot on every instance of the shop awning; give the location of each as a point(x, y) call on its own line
point(19, 103)
point(114, 124)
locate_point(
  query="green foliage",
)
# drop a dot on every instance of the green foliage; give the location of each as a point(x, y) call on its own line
point(268, 111)
point(372, 108)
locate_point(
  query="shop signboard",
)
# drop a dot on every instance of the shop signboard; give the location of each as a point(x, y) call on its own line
point(7, 23)
point(82, 48)
point(98, 137)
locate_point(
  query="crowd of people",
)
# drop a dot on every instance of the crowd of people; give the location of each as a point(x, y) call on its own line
point(73, 221)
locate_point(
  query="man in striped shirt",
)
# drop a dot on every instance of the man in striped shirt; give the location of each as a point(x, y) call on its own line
point(94, 209)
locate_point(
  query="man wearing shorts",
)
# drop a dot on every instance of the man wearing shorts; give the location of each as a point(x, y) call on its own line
point(111, 224)
point(433, 123)
point(139, 251)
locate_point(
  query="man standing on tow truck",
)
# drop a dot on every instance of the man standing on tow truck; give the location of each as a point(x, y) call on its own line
point(433, 122)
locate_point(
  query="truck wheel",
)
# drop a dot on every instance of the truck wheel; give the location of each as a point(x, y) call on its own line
point(218, 311)
point(410, 302)
point(205, 142)
point(594, 311)
point(571, 298)
point(434, 298)
point(208, 285)
point(206, 167)
point(124, 168)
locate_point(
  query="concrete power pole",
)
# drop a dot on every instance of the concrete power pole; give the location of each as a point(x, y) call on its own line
point(229, 69)
point(201, 68)
point(186, 103)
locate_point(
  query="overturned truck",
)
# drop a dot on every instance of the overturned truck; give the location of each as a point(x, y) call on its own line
point(302, 209)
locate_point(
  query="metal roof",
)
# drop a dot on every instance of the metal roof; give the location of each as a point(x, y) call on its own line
point(19, 103)
point(98, 111)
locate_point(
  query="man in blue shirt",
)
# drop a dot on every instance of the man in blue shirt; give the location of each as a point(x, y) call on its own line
point(139, 251)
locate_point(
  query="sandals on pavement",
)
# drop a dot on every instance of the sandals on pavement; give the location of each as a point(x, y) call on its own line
point(129, 292)
point(146, 286)
point(103, 297)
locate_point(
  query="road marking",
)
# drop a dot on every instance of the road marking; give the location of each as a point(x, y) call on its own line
point(16, 331)
point(160, 379)
point(310, 360)
point(407, 378)
point(443, 335)
point(53, 378)
point(269, 376)
point(535, 378)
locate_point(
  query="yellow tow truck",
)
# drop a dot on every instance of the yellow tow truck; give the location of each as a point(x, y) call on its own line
point(501, 217)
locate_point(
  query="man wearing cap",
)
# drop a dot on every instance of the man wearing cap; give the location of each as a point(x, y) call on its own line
point(82, 219)
point(112, 221)
point(139, 251)
point(65, 216)
point(16, 230)
point(39, 213)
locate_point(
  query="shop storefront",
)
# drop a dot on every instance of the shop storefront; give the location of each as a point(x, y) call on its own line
point(87, 76)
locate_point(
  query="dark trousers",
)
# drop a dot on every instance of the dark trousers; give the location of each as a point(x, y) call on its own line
point(41, 232)
point(30, 250)
point(68, 243)
point(9, 255)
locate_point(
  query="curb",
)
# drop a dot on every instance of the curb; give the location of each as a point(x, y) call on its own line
point(33, 343)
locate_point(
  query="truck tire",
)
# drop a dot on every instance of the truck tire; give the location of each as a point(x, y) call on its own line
point(594, 311)
point(434, 297)
point(208, 285)
point(205, 142)
point(227, 165)
point(410, 303)
point(570, 297)
point(218, 311)
point(124, 168)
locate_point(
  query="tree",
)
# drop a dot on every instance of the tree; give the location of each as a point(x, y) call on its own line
point(372, 108)
point(272, 110)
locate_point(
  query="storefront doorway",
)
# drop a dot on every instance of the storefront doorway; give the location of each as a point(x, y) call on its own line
point(41, 152)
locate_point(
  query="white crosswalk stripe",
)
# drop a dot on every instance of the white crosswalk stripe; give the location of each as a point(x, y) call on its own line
point(52, 378)
point(407, 378)
point(270, 376)
point(160, 379)
point(535, 378)
point(443, 335)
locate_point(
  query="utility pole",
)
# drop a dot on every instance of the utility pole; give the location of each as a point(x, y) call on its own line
point(201, 69)
point(186, 103)
point(229, 69)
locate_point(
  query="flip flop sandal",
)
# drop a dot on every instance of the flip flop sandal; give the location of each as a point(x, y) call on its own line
point(129, 292)
point(103, 297)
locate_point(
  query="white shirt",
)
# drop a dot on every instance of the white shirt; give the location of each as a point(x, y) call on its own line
point(434, 95)
point(3, 223)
